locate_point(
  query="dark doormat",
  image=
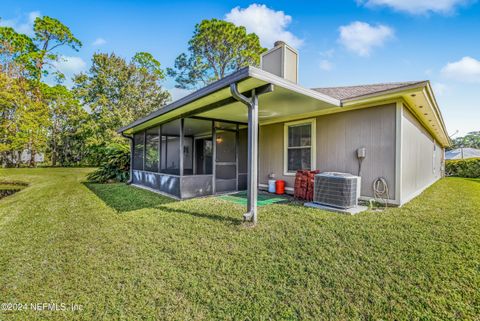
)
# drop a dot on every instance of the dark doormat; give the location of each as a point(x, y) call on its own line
point(262, 199)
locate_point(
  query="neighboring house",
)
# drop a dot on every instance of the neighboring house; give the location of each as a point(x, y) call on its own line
point(25, 157)
point(462, 153)
point(198, 145)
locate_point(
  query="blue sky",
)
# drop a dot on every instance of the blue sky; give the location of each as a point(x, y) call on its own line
point(340, 42)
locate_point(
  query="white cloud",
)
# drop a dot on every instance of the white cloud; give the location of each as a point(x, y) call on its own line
point(466, 69)
point(361, 37)
point(439, 88)
point(325, 65)
point(23, 24)
point(99, 42)
point(70, 65)
point(327, 53)
point(417, 6)
point(268, 24)
point(178, 93)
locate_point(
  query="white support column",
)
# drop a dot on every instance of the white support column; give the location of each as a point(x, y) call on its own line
point(252, 159)
point(252, 186)
point(252, 105)
point(398, 152)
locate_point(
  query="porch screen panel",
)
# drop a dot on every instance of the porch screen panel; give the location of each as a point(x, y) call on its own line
point(226, 146)
point(226, 161)
point(170, 163)
point(138, 147)
point(197, 151)
point(299, 147)
point(152, 149)
point(243, 150)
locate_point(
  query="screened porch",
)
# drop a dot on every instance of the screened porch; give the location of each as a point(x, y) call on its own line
point(191, 157)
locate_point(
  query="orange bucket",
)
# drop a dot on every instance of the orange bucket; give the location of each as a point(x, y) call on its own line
point(280, 187)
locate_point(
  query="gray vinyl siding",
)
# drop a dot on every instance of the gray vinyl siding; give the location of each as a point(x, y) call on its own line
point(338, 137)
point(420, 168)
point(270, 151)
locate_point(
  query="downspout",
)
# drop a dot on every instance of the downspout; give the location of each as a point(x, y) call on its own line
point(252, 105)
point(130, 178)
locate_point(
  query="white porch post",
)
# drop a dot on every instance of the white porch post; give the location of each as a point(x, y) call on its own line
point(252, 159)
point(252, 105)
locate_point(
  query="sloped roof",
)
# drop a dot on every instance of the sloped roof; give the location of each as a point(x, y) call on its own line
point(348, 92)
point(467, 153)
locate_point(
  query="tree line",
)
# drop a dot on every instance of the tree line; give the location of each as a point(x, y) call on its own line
point(75, 126)
point(470, 140)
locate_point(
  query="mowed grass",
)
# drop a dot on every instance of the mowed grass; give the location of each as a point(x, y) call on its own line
point(127, 254)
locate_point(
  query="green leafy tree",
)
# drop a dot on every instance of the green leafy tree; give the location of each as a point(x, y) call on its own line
point(13, 100)
point(33, 126)
point(50, 34)
point(117, 92)
point(23, 62)
point(471, 140)
point(15, 49)
point(216, 49)
point(66, 117)
point(24, 121)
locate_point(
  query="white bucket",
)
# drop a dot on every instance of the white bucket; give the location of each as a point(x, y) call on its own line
point(271, 185)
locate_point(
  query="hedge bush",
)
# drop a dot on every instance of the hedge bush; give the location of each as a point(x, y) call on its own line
point(463, 167)
point(115, 165)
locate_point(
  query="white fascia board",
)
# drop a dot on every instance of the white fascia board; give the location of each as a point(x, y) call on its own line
point(279, 81)
point(431, 96)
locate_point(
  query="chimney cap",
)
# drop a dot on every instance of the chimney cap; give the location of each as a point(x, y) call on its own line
point(279, 43)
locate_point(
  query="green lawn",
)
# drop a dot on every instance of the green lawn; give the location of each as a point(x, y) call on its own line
point(125, 253)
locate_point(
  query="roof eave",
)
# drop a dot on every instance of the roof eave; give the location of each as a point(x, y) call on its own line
point(202, 92)
point(379, 94)
point(242, 74)
point(398, 92)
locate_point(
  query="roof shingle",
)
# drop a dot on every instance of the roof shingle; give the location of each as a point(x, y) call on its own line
point(347, 92)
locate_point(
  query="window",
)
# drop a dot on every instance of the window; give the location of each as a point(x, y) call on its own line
point(152, 149)
point(138, 145)
point(299, 140)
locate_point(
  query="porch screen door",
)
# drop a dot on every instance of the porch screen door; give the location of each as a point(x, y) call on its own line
point(225, 160)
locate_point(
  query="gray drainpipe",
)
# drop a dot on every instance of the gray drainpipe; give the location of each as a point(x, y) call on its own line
point(130, 178)
point(252, 105)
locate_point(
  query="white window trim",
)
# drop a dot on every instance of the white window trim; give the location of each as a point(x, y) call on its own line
point(313, 146)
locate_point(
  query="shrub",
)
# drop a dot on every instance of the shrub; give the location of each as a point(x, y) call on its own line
point(463, 167)
point(115, 165)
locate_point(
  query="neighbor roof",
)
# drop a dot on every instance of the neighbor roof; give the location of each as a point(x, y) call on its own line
point(467, 153)
point(348, 92)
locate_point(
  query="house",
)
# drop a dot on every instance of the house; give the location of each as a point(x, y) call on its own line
point(462, 153)
point(232, 134)
point(23, 157)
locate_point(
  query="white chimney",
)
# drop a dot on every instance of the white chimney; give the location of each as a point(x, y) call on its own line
point(281, 60)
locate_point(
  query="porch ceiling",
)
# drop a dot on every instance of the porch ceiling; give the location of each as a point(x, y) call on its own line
point(280, 103)
point(215, 101)
point(190, 108)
